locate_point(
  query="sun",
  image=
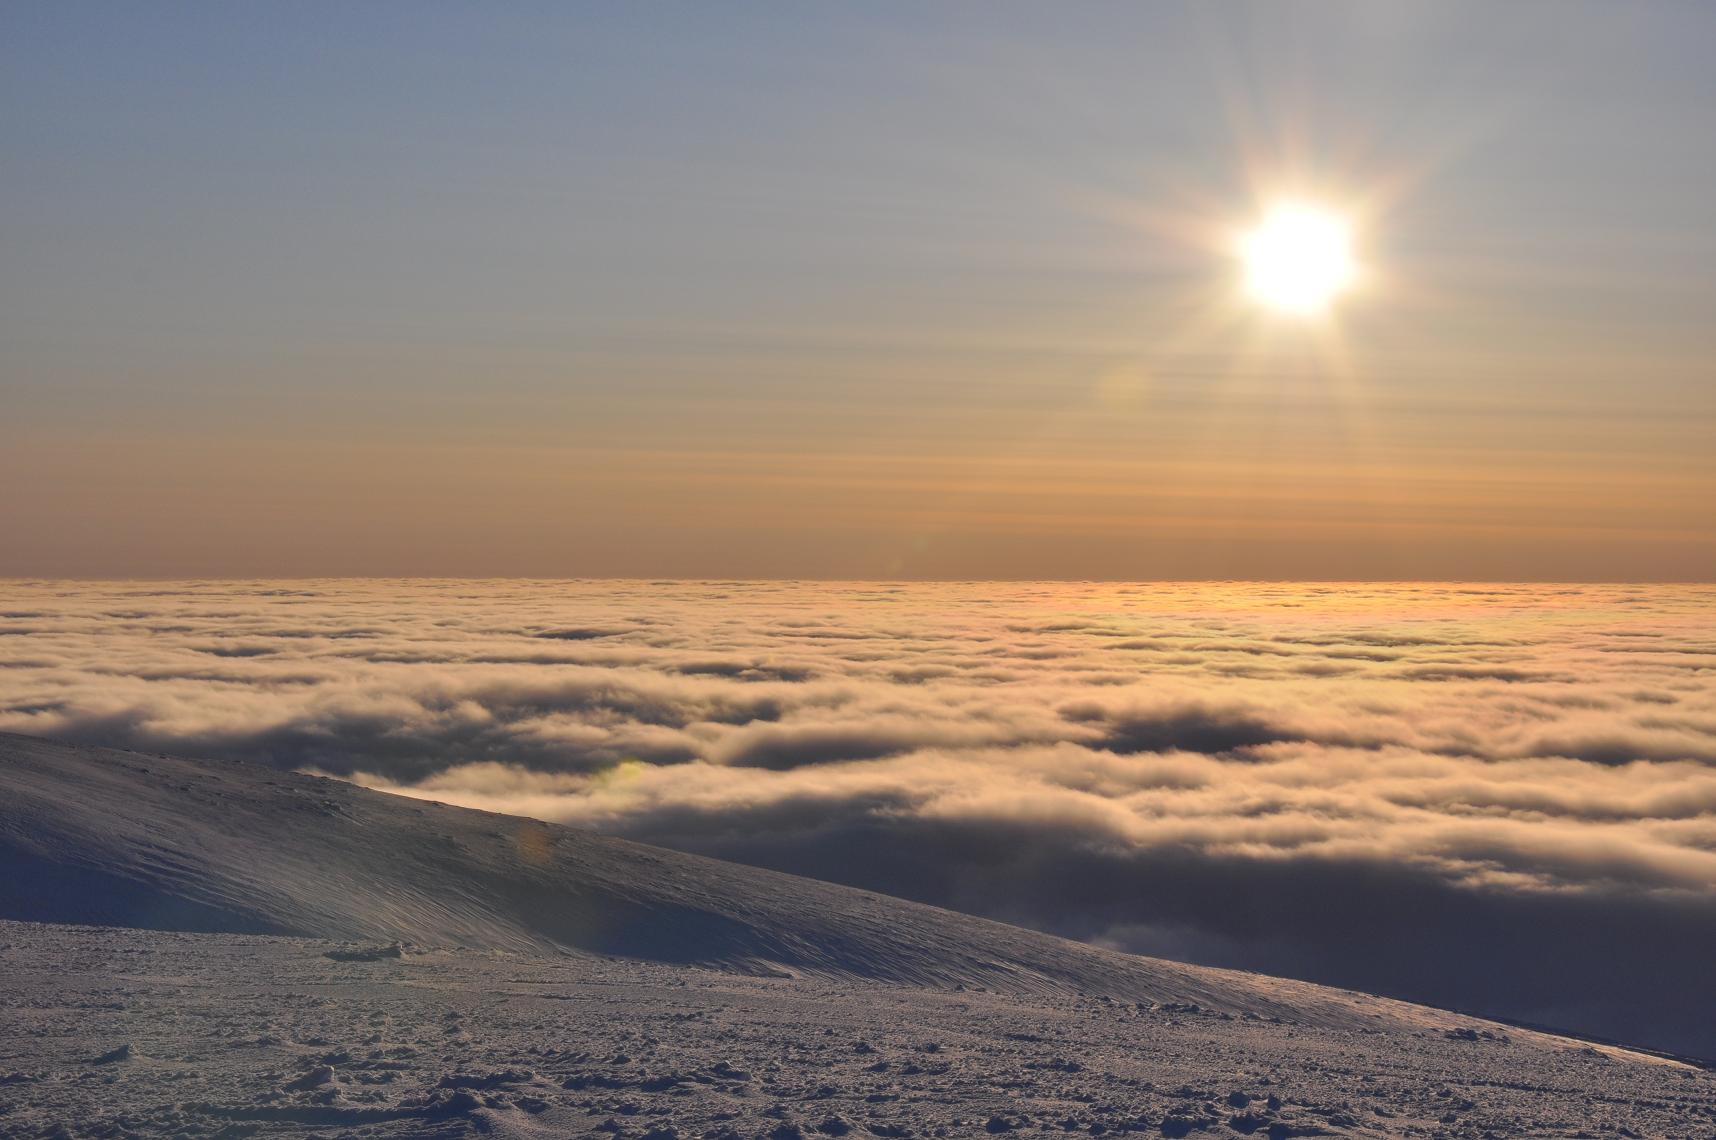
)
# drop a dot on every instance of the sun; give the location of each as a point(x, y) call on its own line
point(1299, 258)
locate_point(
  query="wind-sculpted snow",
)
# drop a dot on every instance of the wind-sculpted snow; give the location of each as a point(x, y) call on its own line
point(137, 1033)
point(1494, 797)
point(99, 836)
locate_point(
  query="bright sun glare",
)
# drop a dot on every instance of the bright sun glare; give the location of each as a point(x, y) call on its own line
point(1299, 258)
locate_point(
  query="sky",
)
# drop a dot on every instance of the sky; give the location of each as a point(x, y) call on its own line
point(1495, 799)
point(854, 291)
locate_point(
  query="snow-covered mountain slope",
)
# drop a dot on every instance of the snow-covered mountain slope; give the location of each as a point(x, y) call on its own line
point(96, 836)
point(135, 1033)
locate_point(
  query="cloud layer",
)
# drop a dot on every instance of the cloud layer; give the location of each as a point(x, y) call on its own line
point(1496, 798)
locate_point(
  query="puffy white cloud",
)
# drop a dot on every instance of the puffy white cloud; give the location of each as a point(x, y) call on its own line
point(1427, 790)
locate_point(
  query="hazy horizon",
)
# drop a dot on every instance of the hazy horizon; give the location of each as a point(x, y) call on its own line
point(765, 571)
point(891, 291)
point(158, 579)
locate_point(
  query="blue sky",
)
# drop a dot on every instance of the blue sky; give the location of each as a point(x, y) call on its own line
point(319, 256)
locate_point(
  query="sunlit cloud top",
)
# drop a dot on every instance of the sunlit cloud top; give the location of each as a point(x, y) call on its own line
point(1358, 784)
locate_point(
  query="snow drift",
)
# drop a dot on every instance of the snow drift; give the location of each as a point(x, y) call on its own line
point(98, 836)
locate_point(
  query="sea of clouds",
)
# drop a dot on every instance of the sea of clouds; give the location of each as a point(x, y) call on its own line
point(1496, 798)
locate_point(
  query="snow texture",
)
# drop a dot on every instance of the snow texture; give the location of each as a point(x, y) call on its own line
point(373, 965)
